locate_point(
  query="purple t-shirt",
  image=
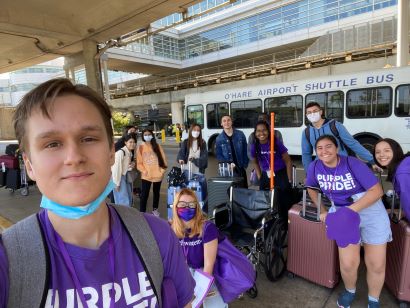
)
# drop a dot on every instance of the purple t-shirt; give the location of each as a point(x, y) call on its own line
point(342, 182)
point(264, 155)
point(194, 246)
point(402, 183)
point(132, 286)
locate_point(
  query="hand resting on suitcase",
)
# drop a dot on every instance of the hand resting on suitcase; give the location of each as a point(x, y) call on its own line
point(343, 227)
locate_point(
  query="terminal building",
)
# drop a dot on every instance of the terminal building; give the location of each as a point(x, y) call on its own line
point(214, 45)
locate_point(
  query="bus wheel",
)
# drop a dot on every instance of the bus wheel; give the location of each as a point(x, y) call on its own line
point(368, 143)
point(212, 146)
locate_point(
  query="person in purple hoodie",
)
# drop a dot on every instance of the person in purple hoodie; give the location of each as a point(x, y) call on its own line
point(64, 131)
point(350, 185)
point(199, 239)
point(388, 154)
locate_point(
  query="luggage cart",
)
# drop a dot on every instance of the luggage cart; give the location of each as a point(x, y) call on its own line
point(24, 191)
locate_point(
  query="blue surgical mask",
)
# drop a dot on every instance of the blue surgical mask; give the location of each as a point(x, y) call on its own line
point(76, 212)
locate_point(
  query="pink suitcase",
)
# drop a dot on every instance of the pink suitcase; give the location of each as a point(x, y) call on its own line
point(398, 258)
point(311, 255)
point(10, 162)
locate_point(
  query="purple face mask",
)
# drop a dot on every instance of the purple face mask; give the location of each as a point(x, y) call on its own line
point(343, 226)
point(186, 213)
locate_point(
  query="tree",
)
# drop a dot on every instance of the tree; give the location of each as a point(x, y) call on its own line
point(120, 120)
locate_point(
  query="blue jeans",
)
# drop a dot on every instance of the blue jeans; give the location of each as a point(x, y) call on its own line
point(124, 196)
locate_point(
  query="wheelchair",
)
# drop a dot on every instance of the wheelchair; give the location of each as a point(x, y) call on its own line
point(252, 221)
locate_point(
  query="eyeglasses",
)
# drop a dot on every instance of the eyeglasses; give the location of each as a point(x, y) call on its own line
point(183, 204)
point(313, 111)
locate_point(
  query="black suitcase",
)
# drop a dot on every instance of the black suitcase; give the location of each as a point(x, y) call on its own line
point(13, 180)
point(2, 177)
point(218, 190)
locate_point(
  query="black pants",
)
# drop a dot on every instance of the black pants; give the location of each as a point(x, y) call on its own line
point(282, 188)
point(145, 188)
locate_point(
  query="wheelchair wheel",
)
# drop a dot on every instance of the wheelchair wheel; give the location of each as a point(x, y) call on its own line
point(276, 250)
point(252, 292)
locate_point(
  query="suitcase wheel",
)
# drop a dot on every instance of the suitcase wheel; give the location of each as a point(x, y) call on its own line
point(24, 191)
point(252, 292)
point(290, 275)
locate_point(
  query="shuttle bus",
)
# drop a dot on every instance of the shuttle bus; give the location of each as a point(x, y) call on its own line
point(371, 105)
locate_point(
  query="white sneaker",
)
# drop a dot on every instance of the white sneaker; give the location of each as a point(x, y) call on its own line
point(156, 213)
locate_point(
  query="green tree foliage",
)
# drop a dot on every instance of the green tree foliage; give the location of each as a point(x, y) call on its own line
point(120, 120)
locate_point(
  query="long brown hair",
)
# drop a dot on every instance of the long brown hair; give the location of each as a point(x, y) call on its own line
point(197, 223)
point(191, 139)
point(155, 148)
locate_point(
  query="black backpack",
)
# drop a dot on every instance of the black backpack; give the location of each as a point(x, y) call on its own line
point(11, 149)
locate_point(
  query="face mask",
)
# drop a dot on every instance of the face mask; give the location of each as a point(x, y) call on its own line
point(314, 117)
point(76, 212)
point(186, 213)
point(195, 134)
point(148, 138)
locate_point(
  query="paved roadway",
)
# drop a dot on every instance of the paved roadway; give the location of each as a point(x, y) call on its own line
point(288, 292)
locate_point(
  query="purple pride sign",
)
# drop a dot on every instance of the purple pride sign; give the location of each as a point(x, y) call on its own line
point(343, 227)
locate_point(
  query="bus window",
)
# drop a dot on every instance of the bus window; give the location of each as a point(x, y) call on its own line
point(403, 101)
point(214, 113)
point(369, 103)
point(195, 114)
point(245, 113)
point(331, 102)
point(288, 110)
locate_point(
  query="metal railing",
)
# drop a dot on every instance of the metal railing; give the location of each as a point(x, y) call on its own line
point(374, 39)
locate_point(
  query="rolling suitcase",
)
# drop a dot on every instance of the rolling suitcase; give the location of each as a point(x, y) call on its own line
point(13, 179)
point(311, 255)
point(398, 256)
point(10, 162)
point(197, 183)
point(2, 178)
point(218, 187)
point(172, 191)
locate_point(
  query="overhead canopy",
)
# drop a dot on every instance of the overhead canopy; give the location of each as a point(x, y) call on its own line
point(35, 31)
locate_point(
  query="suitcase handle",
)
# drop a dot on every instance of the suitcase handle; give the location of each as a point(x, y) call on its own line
point(393, 216)
point(309, 216)
point(222, 167)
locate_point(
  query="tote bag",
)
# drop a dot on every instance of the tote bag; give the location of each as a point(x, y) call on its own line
point(233, 272)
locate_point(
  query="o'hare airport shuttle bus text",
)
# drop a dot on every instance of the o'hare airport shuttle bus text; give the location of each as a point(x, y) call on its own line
point(371, 105)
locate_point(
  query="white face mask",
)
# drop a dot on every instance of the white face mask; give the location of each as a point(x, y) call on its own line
point(195, 134)
point(148, 138)
point(314, 117)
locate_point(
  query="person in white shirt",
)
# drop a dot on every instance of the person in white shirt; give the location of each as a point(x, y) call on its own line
point(123, 164)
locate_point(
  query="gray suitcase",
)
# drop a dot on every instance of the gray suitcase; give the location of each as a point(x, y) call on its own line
point(218, 188)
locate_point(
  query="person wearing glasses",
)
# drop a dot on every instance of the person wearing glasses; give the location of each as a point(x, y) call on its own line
point(321, 126)
point(199, 239)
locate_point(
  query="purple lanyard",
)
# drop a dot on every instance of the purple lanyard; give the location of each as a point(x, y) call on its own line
point(334, 181)
point(73, 274)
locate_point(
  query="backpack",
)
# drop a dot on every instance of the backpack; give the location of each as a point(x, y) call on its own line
point(29, 260)
point(335, 132)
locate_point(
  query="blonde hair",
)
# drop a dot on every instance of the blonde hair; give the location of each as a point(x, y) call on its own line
point(196, 224)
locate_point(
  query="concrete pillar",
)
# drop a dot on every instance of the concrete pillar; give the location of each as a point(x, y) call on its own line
point(72, 72)
point(177, 110)
point(92, 65)
point(402, 32)
point(106, 83)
